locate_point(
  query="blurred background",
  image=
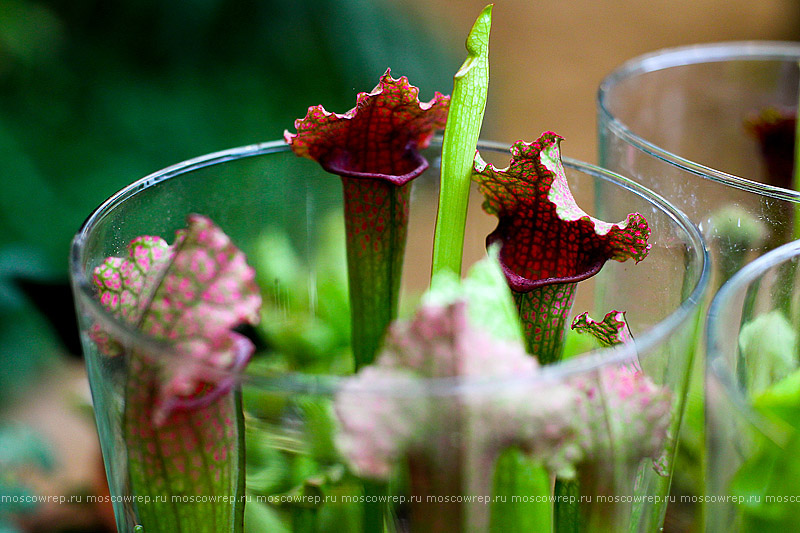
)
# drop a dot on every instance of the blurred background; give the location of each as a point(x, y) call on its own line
point(95, 94)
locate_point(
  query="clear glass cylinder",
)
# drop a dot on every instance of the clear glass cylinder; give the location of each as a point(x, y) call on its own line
point(284, 212)
point(753, 397)
point(710, 128)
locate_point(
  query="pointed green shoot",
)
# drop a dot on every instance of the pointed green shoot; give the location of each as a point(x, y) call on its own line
point(467, 105)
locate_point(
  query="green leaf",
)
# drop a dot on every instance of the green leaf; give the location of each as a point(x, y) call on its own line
point(305, 318)
point(767, 345)
point(518, 481)
point(771, 472)
point(490, 305)
point(464, 120)
point(259, 518)
point(772, 469)
point(320, 423)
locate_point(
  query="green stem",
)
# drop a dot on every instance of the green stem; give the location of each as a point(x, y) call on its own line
point(566, 511)
point(374, 492)
point(464, 119)
point(304, 520)
point(376, 224)
point(188, 456)
point(518, 476)
point(543, 312)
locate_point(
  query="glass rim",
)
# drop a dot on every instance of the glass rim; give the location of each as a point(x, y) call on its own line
point(692, 55)
point(723, 300)
point(320, 383)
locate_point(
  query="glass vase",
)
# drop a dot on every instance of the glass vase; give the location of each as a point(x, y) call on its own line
point(285, 213)
point(710, 127)
point(753, 397)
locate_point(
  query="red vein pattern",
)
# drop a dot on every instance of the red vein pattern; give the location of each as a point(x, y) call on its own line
point(546, 239)
point(610, 331)
point(374, 149)
point(378, 138)
point(179, 419)
point(543, 312)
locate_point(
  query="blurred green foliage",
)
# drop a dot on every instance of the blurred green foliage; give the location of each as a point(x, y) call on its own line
point(95, 94)
point(20, 449)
